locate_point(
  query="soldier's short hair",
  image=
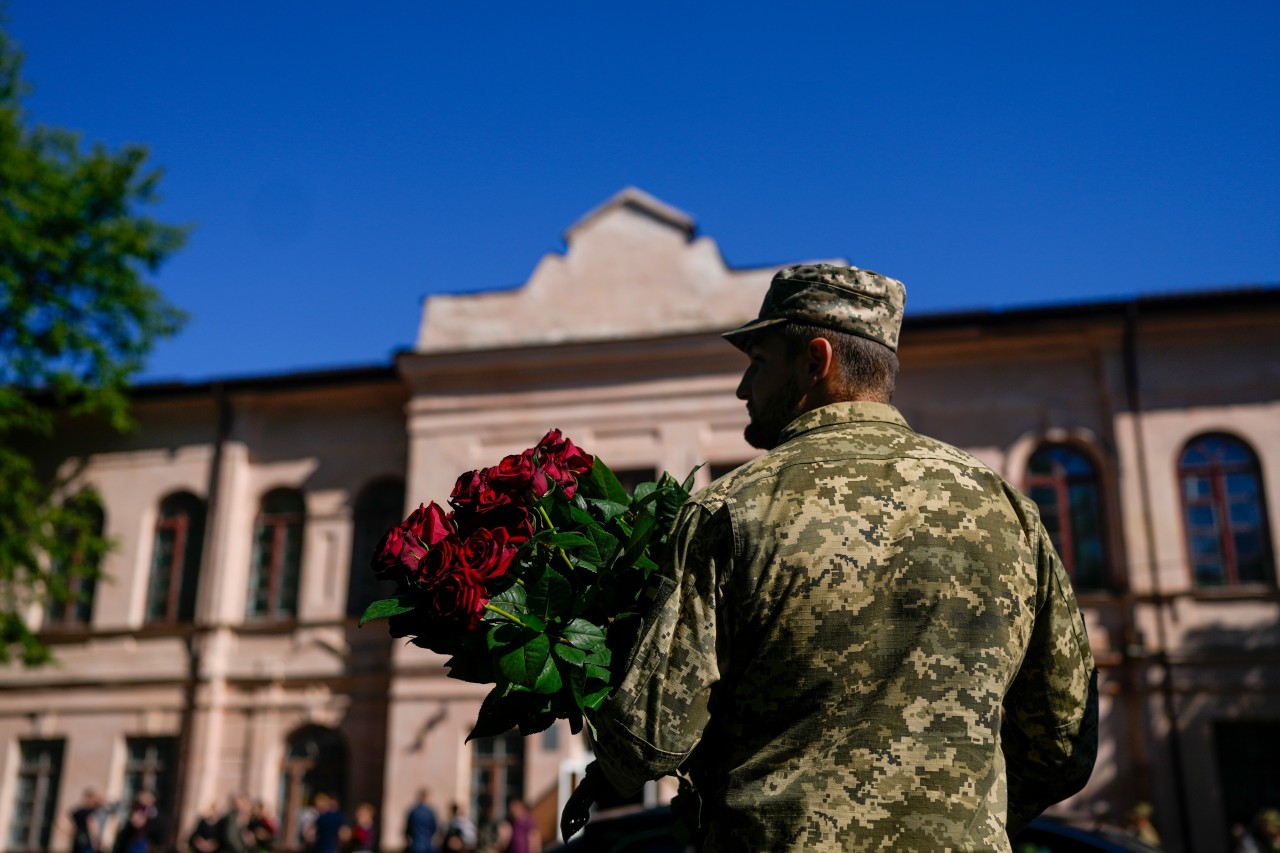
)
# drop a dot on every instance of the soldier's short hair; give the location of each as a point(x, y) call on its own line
point(868, 368)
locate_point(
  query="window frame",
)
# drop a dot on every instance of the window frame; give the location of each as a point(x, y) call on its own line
point(280, 523)
point(1224, 531)
point(1062, 481)
point(76, 613)
point(184, 559)
point(42, 813)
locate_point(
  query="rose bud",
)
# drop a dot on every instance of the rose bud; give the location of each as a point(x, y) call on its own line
point(429, 523)
point(397, 555)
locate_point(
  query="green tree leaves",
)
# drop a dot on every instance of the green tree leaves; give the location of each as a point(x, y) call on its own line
point(77, 319)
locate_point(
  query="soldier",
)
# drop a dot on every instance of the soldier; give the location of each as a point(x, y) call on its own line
point(863, 639)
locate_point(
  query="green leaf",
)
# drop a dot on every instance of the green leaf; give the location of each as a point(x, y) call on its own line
point(642, 491)
point(601, 483)
point(497, 716)
point(569, 654)
point(596, 698)
point(551, 597)
point(584, 634)
point(606, 543)
point(568, 540)
point(606, 510)
point(513, 600)
point(504, 635)
point(687, 485)
point(548, 680)
point(385, 608)
point(639, 541)
point(524, 664)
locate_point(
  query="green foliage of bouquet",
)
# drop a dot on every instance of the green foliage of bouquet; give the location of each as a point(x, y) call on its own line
point(530, 581)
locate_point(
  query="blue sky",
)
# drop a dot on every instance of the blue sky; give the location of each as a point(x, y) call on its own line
point(339, 161)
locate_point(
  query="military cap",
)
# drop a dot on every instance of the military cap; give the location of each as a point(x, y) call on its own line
point(843, 299)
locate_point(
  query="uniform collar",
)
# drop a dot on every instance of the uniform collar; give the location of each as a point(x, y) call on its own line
point(842, 413)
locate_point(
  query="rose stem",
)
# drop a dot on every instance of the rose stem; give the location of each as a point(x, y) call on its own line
point(502, 612)
point(542, 512)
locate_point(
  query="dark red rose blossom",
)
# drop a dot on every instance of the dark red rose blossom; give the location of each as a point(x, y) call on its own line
point(397, 555)
point(488, 497)
point(514, 473)
point(440, 560)
point(430, 523)
point(451, 606)
point(563, 460)
point(466, 491)
point(488, 552)
point(541, 483)
point(457, 598)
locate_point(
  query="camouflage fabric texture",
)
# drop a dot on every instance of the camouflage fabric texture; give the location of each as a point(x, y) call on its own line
point(865, 641)
point(846, 299)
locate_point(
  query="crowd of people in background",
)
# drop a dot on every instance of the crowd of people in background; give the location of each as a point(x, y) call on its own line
point(244, 826)
point(516, 833)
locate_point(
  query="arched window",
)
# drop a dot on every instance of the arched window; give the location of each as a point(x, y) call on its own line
point(379, 507)
point(175, 559)
point(315, 762)
point(1063, 482)
point(277, 555)
point(73, 579)
point(1225, 512)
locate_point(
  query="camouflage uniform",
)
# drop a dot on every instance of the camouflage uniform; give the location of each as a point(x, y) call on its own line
point(864, 641)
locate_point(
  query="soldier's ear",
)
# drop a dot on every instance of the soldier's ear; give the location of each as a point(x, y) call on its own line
point(820, 361)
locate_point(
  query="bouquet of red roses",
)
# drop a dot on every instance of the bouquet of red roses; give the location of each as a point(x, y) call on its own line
point(529, 581)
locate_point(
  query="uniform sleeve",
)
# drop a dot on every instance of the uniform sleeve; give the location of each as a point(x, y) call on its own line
point(657, 715)
point(1050, 729)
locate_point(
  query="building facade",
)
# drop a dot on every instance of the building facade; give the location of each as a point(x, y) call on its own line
point(220, 653)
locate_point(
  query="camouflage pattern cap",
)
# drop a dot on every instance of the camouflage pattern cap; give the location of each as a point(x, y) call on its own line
point(844, 299)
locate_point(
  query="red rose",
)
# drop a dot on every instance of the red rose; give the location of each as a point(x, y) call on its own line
point(440, 560)
point(452, 604)
point(397, 555)
point(514, 473)
point(466, 491)
point(429, 523)
point(488, 552)
point(455, 599)
point(488, 497)
point(563, 460)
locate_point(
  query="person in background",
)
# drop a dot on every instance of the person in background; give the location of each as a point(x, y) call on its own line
point(459, 832)
point(307, 822)
point(330, 831)
point(142, 829)
point(492, 832)
point(420, 825)
point(86, 822)
point(525, 837)
point(1139, 825)
point(363, 831)
point(204, 838)
point(262, 828)
point(232, 832)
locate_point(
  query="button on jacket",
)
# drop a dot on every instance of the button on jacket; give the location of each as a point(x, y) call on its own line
point(864, 640)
